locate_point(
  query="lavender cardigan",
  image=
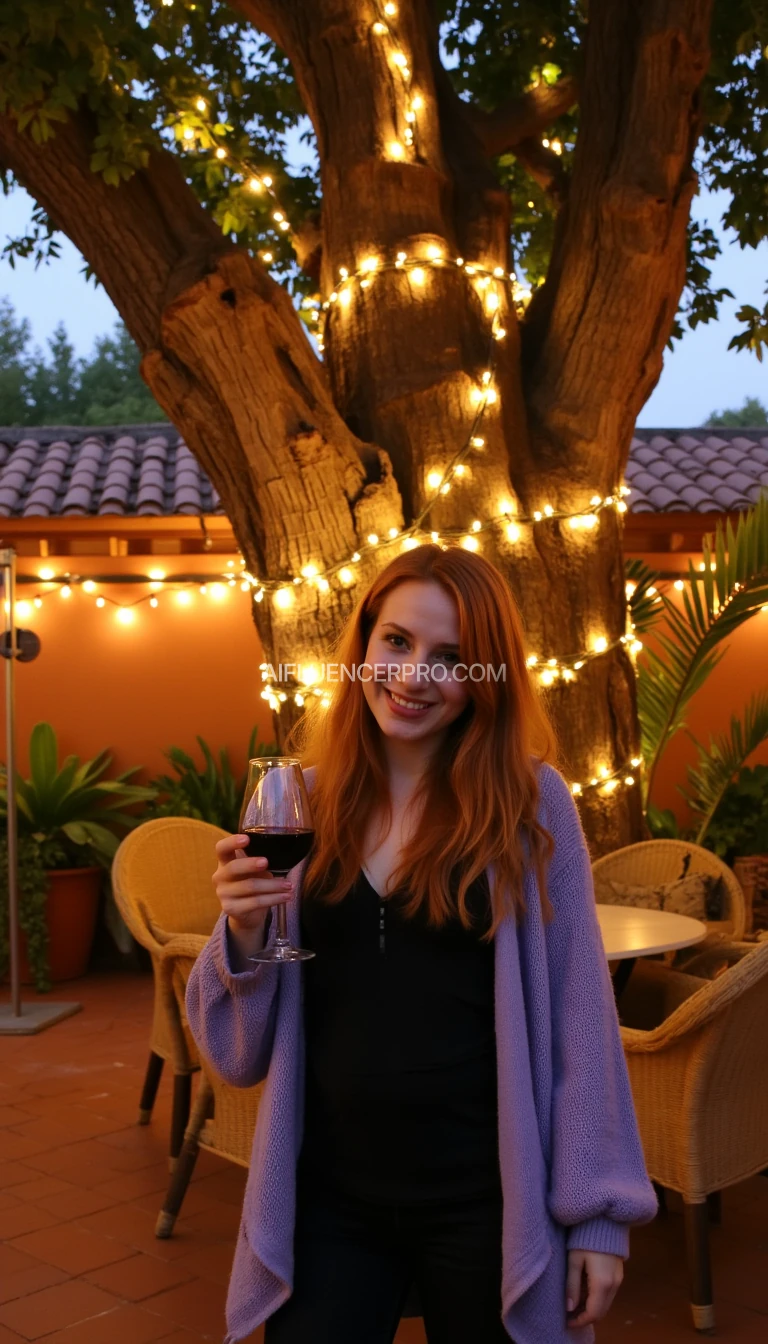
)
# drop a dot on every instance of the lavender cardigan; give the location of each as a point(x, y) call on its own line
point(572, 1167)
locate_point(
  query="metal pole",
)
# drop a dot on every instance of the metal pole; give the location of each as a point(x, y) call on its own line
point(8, 563)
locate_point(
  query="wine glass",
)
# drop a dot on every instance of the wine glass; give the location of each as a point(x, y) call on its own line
point(277, 819)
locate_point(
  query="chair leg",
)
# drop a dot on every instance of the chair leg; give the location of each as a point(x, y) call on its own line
point(699, 1268)
point(715, 1208)
point(182, 1095)
point(149, 1090)
point(185, 1165)
point(661, 1195)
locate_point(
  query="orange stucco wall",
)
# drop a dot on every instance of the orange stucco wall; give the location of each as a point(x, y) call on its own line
point(180, 671)
point(175, 672)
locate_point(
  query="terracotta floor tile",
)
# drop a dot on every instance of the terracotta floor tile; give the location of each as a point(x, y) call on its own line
point(135, 1227)
point(196, 1305)
point(41, 1187)
point(11, 1260)
point(9, 1336)
point(13, 1173)
point(141, 1276)
point(126, 1325)
point(8, 1201)
point(55, 1308)
point(210, 1262)
point(14, 1146)
point(128, 1187)
point(26, 1218)
point(76, 1203)
point(186, 1337)
point(12, 1115)
point(28, 1281)
point(220, 1223)
point(71, 1248)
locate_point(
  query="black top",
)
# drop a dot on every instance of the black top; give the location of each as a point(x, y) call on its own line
point(401, 1050)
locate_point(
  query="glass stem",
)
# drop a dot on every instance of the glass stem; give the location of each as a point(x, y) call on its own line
point(282, 925)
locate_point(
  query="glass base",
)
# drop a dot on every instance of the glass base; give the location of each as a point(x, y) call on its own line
point(282, 952)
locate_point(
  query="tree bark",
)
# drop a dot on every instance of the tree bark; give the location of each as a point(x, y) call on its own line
point(293, 447)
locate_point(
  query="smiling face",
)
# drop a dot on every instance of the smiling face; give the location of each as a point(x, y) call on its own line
point(418, 624)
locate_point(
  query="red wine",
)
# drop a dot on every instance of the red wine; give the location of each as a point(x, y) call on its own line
point(282, 847)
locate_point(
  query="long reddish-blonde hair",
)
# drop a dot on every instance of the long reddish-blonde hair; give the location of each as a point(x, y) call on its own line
point(480, 791)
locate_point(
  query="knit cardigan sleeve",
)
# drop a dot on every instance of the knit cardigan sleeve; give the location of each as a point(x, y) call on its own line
point(599, 1185)
point(232, 1014)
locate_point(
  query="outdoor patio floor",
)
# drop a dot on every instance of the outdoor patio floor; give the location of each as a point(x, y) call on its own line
point(81, 1183)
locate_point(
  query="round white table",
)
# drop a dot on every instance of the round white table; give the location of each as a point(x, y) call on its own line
point(630, 931)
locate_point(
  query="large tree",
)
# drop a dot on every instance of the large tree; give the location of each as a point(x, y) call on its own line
point(550, 138)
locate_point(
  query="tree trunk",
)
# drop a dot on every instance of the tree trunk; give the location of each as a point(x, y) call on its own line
point(309, 460)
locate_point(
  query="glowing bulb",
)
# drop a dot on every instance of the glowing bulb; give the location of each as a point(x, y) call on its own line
point(267, 181)
point(435, 253)
point(221, 153)
point(157, 574)
point(125, 615)
point(409, 543)
point(46, 574)
point(256, 184)
point(345, 296)
point(346, 576)
point(189, 134)
point(499, 333)
point(477, 525)
point(153, 601)
point(492, 396)
point(284, 597)
point(575, 790)
point(372, 539)
point(298, 699)
point(399, 59)
point(218, 591)
point(433, 480)
point(310, 674)
point(531, 660)
point(89, 586)
point(393, 531)
point(66, 591)
point(476, 396)
point(390, 9)
point(401, 258)
point(23, 610)
point(201, 104)
point(548, 510)
point(491, 301)
point(600, 644)
point(100, 601)
point(417, 102)
point(266, 256)
point(445, 488)
point(477, 442)
point(284, 226)
point(396, 149)
point(379, 28)
point(610, 785)
point(629, 780)
point(356, 556)
point(418, 275)
point(309, 571)
point(513, 532)
point(547, 678)
point(636, 646)
point(469, 543)
point(184, 598)
point(369, 263)
point(636, 761)
point(460, 470)
point(38, 602)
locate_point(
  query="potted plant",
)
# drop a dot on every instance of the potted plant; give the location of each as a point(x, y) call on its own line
point(71, 819)
point(738, 832)
point(213, 793)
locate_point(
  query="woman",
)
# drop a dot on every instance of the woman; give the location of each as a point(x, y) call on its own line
point(446, 1103)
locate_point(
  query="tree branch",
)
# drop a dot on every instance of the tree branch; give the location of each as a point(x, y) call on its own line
point(523, 117)
point(595, 336)
point(545, 167)
point(146, 240)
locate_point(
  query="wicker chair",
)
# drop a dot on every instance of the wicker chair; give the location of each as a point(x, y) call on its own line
point(161, 876)
point(653, 862)
point(223, 1118)
point(697, 1053)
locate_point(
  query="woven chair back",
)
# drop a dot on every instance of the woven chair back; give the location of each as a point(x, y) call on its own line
point(161, 876)
point(654, 862)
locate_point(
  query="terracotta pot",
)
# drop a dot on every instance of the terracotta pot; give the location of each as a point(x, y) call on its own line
point(71, 910)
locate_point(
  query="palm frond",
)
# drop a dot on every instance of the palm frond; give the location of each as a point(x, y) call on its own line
point(645, 606)
point(730, 588)
point(723, 758)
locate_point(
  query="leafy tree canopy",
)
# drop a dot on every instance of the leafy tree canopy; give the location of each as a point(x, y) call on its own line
point(748, 416)
point(106, 389)
point(198, 78)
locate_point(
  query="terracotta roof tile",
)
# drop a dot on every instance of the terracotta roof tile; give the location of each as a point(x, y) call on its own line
point(149, 470)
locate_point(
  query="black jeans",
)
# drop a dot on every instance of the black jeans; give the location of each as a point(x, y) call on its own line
point(354, 1263)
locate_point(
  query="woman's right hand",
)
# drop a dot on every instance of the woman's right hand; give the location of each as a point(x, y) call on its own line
point(246, 890)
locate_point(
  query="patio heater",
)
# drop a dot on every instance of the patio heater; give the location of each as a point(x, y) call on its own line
point(17, 1018)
